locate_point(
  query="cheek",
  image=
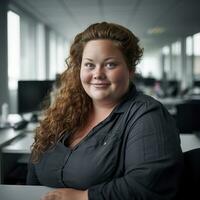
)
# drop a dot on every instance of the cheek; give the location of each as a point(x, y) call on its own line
point(84, 76)
point(120, 77)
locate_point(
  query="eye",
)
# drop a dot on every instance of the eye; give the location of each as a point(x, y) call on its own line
point(111, 65)
point(89, 65)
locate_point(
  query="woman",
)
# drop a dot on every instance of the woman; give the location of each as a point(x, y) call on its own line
point(102, 139)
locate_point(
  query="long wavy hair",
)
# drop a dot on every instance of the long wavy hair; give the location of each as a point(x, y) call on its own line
point(72, 105)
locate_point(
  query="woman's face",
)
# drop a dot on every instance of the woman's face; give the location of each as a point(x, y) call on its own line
point(104, 73)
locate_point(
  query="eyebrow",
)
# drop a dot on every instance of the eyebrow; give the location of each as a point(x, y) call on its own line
point(104, 60)
point(88, 59)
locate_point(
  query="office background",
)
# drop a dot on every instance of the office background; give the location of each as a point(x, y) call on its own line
point(35, 37)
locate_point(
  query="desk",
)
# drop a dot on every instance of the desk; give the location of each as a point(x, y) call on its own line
point(7, 135)
point(170, 104)
point(22, 192)
point(18, 150)
point(190, 141)
point(170, 101)
point(20, 145)
point(15, 153)
point(14, 144)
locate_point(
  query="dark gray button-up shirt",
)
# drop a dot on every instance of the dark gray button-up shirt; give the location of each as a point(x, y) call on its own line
point(133, 154)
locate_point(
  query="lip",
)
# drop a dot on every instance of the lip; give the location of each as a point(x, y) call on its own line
point(100, 85)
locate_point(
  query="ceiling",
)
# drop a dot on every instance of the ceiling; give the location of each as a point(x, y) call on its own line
point(174, 18)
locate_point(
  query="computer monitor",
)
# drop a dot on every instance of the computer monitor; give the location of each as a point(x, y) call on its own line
point(32, 94)
point(196, 83)
point(149, 82)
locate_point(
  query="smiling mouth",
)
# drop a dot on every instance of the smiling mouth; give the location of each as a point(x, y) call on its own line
point(100, 85)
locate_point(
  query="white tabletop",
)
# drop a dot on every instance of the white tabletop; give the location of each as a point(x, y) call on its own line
point(22, 192)
point(20, 145)
point(7, 135)
point(190, 141)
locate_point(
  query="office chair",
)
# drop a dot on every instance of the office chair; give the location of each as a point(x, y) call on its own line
point(190, 185)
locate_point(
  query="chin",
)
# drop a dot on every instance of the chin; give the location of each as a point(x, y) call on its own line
point(99, 98)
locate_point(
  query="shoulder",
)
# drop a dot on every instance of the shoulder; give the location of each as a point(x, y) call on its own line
point(138, 108)
point(147, 113)
point(148, 119)
point(142, 103)
point(144, 99)
point(136, 101)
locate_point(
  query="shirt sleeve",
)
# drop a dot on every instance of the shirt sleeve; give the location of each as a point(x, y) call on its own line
point(31, 178)
point(153, 159)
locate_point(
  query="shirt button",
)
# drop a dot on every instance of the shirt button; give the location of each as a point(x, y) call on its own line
point(104, 143)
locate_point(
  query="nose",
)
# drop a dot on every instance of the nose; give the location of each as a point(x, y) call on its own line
point(99, 73)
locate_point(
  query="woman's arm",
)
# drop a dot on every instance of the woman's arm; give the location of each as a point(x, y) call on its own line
point(31, 178)
point(55, 194)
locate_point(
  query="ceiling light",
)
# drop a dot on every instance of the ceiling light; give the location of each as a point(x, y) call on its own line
point(156, 30)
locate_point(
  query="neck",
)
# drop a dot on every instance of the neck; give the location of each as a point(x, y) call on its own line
point(100, 106)
point(102, 110)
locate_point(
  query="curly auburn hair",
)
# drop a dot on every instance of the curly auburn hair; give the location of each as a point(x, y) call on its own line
point(72, 105)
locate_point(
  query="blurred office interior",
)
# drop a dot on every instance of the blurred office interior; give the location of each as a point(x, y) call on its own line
point(35, 36)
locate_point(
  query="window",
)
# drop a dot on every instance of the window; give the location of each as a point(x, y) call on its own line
point(150, 66)
point(196, 69)
point(166, 61)
point(189, 61)
point(176, 66)
point(13, 49)
point(61, 54)
point(40, 53)
point(189, 46)
point(52, 55)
